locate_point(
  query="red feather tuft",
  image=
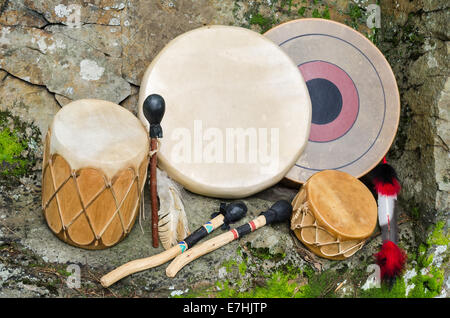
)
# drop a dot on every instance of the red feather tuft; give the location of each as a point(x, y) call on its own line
point(387, 188)
point(391, 260)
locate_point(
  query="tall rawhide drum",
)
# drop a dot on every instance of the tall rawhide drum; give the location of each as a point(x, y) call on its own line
point(237, 111)
point(354, 96)
point(333, 214)
point(94, 170)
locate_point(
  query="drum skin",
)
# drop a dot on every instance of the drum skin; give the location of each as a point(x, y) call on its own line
point(93, 207)
point(218, 80)
point(354, 96)
point(334, 213)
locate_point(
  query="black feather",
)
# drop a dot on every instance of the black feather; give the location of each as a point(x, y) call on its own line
point(384, 173)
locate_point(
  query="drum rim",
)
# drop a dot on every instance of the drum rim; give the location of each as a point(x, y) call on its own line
point(388, 71)
point(63, 151)
point(316, 249)
point(203, 188)
point(324, 223)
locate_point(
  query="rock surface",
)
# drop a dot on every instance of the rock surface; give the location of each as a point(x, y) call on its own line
point(415, 40)
point(56, 51)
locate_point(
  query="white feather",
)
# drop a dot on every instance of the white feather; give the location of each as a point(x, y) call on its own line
point(386, 206)
point(172, 225)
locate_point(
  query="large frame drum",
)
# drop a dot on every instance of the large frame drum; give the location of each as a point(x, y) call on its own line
point(354, 96)
point(334, 214)
point(94, 170)
point(237, 111)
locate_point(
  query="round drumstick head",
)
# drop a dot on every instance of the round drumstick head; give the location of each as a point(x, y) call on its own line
point(278, 212)
point(234, 212)
point(153, 108)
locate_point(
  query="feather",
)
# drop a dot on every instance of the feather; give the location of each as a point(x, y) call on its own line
point(172, 225)
point(390, 258)
point(386, 217)
point(385, 180)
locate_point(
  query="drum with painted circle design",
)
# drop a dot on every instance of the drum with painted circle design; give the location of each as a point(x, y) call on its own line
point(354, 96)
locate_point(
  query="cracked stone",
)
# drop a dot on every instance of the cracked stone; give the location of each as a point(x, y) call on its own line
point(105, 12)
point(32, 103)
point(16, 13)
point(66, 66)
point(151, 25)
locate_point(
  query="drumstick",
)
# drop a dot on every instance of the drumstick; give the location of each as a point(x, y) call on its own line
point(278, 212)
point(154, 108)
point(228, 214)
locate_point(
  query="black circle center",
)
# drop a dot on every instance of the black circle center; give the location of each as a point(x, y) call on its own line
point(326, 100)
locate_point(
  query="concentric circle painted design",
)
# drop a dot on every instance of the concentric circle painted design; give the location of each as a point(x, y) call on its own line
point(354, 96)
point(334, 98)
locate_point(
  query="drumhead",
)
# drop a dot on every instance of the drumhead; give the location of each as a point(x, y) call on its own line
point(354, 96)
point(92, 133)
point(342, 204)
point(237, 111)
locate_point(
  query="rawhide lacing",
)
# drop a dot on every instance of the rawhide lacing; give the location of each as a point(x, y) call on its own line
point(298, 221)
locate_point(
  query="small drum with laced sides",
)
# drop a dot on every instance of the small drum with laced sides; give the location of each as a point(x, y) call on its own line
point(94, 170)
point(334, 213)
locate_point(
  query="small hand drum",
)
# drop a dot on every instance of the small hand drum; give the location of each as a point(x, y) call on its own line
point(94, 170)
point(237, 111)
point(354, 96)
point(334, 214)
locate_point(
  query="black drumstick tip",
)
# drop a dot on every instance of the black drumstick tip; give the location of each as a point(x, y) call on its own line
point(278, 212)
point(153, 108)
point(235, 211)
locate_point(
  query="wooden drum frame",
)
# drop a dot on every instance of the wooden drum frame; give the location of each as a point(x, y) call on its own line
point(93, 205)
point(334, 214)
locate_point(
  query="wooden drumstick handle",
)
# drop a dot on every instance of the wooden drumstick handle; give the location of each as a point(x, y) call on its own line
point(153, 109)
point(280, 211)
point(228, 214)
point(154, 192)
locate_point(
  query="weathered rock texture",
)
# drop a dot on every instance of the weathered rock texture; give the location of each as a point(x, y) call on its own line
point(415, 40)
point(56, 51)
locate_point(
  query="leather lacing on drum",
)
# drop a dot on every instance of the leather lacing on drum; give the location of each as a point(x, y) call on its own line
point(107, 186)
point(135, 181)
point(301, 212)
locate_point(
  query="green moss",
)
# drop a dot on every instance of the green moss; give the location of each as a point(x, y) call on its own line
point(355, 14)
point(326, 13)
point(265, 23)
point(279, 285)
point(438, 237)
point(242, 268)
point(321, 285)
point(11, 148)
point(427, 285)
point(398, 290)
point(229, 265)
point(264, 253)
point(415, 213)
point(315, 13)
point(18, 144)
point(428, 281)
point(288, 285)
point(301, 11)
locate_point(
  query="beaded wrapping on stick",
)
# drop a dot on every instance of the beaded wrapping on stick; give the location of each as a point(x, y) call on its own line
point(390, 258)
point(278, 212)
point(228, 213)
point(154, 107)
